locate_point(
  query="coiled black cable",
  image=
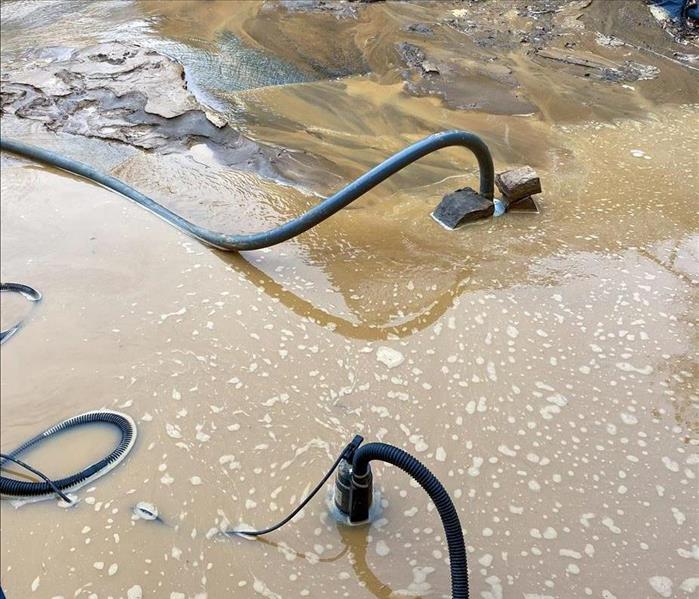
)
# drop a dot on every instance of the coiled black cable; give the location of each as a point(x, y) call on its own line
point(12, 487)
point(438, 495)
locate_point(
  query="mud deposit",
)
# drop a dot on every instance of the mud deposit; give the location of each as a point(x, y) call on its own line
point(543, 366)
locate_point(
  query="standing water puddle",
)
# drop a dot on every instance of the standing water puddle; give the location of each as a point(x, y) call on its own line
point(543, 366)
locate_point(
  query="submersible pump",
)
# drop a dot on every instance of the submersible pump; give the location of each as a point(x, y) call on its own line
point(354, 495)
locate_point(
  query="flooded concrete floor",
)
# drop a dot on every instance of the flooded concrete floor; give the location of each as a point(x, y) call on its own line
point(547, 367)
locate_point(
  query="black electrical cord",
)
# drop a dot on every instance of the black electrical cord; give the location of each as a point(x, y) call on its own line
point(345, 454)
point(40, 474)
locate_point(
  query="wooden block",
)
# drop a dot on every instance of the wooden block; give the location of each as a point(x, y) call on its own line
point(518, 183)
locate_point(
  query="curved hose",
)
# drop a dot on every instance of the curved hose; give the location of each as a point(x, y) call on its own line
point(296, 226)
point(438, 494)
point(11, 487)
point(30, 294)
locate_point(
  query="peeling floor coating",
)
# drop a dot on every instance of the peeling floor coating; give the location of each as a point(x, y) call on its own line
point(544, 367)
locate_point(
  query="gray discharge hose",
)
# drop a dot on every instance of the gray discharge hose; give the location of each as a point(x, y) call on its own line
point(296, 226)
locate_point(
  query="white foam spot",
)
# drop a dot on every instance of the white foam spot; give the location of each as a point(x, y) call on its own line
point(609, 523)
point(389, 356)
point(671, 465)
point(486, 560)
point(679, 516)
point(689, 585)
point(173, 431)
point(661, 585)
point(135, 592)
point(382, 549)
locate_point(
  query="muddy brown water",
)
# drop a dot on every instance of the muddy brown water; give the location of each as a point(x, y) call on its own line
point(548, 372)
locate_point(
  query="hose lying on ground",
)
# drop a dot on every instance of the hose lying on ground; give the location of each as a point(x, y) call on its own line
point(11, 487)
point(296, 226)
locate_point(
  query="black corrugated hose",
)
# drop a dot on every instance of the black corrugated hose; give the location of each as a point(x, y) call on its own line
point(361, 455)
point(12, 487)
point(439, 496)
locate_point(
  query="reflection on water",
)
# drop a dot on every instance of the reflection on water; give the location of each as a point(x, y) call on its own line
point(213, 64)
point(225, 65)
point(545, 365)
